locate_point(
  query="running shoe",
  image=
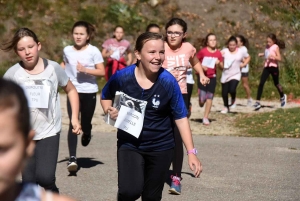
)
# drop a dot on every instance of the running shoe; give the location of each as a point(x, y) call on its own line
point(249, 102)
point(224, 110)
point(72, 164)
point(283, 100)
point(232, 106)
point(85, 139)
point(205, 121)
point(175, 185)
point(257, 106)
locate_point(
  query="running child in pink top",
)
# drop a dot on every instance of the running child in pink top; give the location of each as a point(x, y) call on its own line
point(178, 55)
point(210, 57)
point(115, 50)
point(234, 60)
point(272, 57)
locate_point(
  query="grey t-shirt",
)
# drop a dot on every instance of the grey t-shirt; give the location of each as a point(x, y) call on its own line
point(45, 120)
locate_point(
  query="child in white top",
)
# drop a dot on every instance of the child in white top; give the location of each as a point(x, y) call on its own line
point(83, 62)
point(40, 79)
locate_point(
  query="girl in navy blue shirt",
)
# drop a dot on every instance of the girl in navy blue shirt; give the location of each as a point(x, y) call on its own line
point(143, 162)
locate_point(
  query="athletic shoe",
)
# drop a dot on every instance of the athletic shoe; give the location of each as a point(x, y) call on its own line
point(175, 185)
point(283, 100)
point(249, 102)
point(224, 110)
point(257, 106)
point(232, 106)
point(72, 164)
point(205, 121)
point(85, 139)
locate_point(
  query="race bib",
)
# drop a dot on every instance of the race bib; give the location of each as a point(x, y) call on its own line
point(209, 62)
point(131, 114)
point(37, 95)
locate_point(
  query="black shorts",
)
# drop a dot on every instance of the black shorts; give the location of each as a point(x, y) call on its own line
point(211, 86)
point(245, 74)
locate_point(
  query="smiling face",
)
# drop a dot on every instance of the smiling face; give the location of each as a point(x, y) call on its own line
point(151, 56)
point(13, 149)
point(28, 50)
point(175, 35)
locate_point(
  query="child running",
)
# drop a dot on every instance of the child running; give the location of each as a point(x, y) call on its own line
point(143, 162)
point(40, 79)
point(17, 147)
point(179, 56)
point(83, 62)
point(210, 57)
point(272, 57)
point(115, 50)
point(234, 60)
point(243, 45)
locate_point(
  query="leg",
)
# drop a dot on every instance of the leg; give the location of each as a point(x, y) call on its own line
point(232, 89)
point(156, 170)
point(72, 138)
point(178, 153)
point(275, 75)
point(46, 160)
point(225, 88)
point(189, 90)
point(29, 172)
point(88, 105)
point(209, 96)
point(130, 174)
point(202, 97)
point(263, 79)
point(245, 82)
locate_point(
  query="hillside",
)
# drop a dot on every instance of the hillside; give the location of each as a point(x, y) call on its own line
point(52, 21)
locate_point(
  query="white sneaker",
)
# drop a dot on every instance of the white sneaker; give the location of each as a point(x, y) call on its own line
point(232, 106)
point(249, 102)
point(283, 100)
point(205, 121)
point(224, 110)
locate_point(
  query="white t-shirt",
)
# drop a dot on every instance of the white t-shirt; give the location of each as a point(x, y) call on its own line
point(245, 51)
point(89, 57)
point(232, 62)
point(46, 122)
point(189, 76)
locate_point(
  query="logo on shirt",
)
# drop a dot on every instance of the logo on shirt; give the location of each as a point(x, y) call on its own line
point(155, 101)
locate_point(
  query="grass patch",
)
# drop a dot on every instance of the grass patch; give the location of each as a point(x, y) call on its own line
point(280, 123)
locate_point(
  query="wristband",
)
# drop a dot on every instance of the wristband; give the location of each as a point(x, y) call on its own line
point(193, 151)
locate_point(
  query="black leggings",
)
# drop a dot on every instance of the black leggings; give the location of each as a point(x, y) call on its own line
point(189, 90)
point(41, 167)
point(229, 87)
point(142, 173)
point(274, 71)
point(87, 104)
point(178, 151)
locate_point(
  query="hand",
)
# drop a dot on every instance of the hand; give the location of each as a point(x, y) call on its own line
point(113, 112)
point(261, 54)
point(204, 80)
point(195, 164)
point(76, 126)
point(80, 67)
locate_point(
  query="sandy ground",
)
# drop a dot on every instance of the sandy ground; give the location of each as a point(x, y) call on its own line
point(221, 124)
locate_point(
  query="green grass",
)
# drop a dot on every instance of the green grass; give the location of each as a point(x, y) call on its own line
point(280, 123)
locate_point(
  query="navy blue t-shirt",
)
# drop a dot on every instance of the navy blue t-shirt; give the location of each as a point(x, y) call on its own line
point(164, 105)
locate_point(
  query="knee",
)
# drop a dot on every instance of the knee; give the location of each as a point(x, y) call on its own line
point(47, 181)
point(129, 193)
point(201, 104)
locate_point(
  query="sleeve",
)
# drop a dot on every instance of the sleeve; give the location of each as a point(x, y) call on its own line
point(193, 51)
point(220, 57)
point(61, 75)
point(179, 110)
point(97, 57)
point(105, 45)
point(110, 88)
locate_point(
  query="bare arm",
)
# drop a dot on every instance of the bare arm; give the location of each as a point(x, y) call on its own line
point(74, 101)
point(198, 67)
point(277, 56)
point(245, 61)
point(108, 109)
point(63, 65)
point(186, 135)
point(105, 53)
point(98, 71)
